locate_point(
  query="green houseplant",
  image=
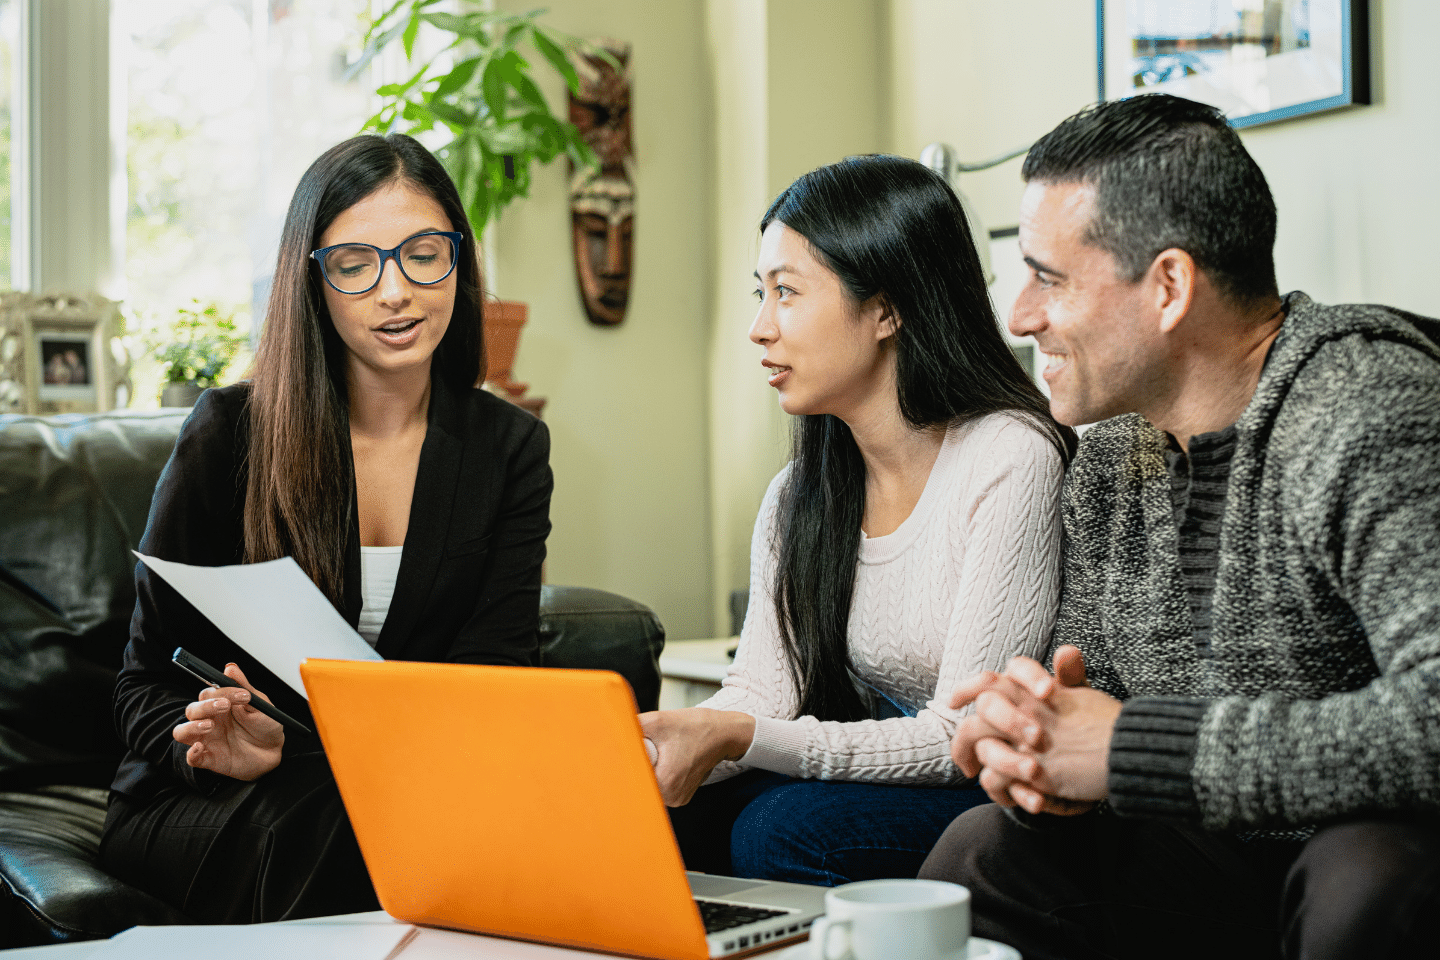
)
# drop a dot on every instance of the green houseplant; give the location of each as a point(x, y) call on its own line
point(497, 120)
point(202, 342)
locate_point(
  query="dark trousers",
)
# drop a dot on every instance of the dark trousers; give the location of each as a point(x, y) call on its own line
point(277, 848)
point(772, 827)
point(1101, 886)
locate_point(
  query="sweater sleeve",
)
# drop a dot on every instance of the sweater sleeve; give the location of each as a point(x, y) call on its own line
point(1006, 530)
point(758, 682)
point(1362, 503)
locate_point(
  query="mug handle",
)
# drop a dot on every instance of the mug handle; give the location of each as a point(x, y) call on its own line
point(820, 938)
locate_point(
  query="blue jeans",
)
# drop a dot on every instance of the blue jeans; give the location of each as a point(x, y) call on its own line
point(772, 827)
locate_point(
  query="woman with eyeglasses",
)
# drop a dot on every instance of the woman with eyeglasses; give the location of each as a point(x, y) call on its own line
point(418, 504)
point(913, 540)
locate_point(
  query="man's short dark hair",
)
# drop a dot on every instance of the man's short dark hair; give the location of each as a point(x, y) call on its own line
point(1167, 172)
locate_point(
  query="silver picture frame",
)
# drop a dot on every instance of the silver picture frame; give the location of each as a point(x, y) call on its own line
point(59, 354)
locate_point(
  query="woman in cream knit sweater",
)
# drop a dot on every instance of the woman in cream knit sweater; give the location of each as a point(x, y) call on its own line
point(912, 541)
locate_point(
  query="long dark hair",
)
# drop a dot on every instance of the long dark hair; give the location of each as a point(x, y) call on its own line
point(891, 228)
point(301, 471)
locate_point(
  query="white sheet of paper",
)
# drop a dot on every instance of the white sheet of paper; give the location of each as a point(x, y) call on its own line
point(271, 609)
point(260, 941)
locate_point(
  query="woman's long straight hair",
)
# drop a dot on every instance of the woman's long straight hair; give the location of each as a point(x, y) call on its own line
point(891, 228)
point(299, 494)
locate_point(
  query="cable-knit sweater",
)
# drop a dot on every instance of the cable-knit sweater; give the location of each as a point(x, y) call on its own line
point(969, 580)
point(1318, 695)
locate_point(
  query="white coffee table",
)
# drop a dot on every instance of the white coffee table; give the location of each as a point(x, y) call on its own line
point(429, 943)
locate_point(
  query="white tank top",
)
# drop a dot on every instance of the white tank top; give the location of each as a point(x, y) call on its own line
point(379, 566)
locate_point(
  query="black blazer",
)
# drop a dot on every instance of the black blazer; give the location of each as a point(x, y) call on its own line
point(468, 589)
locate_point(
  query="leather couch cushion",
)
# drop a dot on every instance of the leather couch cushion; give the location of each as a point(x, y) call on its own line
point(74, 495)
point(49, 839)
point(588, 629)
point(56, 691)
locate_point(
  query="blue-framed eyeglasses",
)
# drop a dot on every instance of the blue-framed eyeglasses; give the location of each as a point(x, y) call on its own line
point(426, 258)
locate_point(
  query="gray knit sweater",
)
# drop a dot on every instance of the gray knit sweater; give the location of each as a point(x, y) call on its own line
point(1319, 694)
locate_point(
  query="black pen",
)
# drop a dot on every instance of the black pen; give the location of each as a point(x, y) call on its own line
point(205, 673)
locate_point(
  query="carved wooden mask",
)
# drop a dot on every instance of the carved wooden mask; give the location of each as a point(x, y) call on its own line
point(602, 204)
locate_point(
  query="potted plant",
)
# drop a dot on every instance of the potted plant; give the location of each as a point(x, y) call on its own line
point(497, 121)
point(202, 343)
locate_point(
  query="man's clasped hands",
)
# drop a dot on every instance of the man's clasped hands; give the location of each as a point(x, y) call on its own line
point(1037, 740)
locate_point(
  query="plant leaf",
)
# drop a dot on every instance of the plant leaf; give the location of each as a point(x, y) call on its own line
point(513, 69)
point(530, 93)
point(379, 22)
point(421, 118)
point(457, 77)
point(449, 22)
point(480, 203)
point(450, 113)
point(457, 163)
point(411, 29)
point(595, 50)
point(492, 89)
point(400, 89)
point(514, 34)
point(476, 26)
point(552, 52)
point(371, 49)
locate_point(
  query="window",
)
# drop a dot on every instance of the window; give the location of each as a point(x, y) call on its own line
point(9, 85)
point(228, 102)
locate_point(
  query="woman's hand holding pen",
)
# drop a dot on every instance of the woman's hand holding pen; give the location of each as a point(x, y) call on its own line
point(227, 735)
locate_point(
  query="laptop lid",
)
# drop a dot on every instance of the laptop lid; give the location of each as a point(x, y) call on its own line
point(511, 801)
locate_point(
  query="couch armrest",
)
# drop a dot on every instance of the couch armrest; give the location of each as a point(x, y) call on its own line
point(582, 628)
point(49, 840)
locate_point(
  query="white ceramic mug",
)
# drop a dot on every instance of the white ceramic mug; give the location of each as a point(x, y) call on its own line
point(893, 920)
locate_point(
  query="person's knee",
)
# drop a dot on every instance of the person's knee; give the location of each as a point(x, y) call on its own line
point(1362, 889)
point(826, 832)
point(966, 843)
point(781, 834)
point(813, 831)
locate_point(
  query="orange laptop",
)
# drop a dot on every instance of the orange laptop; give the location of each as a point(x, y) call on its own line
point(520, 802)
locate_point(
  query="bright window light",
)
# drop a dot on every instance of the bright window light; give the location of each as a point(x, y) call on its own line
point(228, 102)
point(9, 72)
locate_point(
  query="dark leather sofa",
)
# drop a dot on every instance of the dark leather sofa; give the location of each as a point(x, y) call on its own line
point(74, 495)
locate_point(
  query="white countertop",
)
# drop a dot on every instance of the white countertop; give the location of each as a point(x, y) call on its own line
point(704, 660)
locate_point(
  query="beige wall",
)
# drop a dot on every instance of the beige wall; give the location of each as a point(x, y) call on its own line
point(746, 427)
point(985, 78)
point(1357, 193)
point(627, 405)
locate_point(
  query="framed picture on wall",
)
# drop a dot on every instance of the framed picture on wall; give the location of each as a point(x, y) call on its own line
point(57, 355)
point(1258, 60)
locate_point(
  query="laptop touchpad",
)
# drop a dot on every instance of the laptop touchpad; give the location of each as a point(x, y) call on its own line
point(707, 885)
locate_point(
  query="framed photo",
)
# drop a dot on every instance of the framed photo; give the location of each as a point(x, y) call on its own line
point(1257, 60)
point(57, 355)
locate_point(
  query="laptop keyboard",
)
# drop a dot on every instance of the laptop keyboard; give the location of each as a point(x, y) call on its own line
point(723, 916)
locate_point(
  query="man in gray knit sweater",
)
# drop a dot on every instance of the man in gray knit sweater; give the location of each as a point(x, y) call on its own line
point(1238, 751)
